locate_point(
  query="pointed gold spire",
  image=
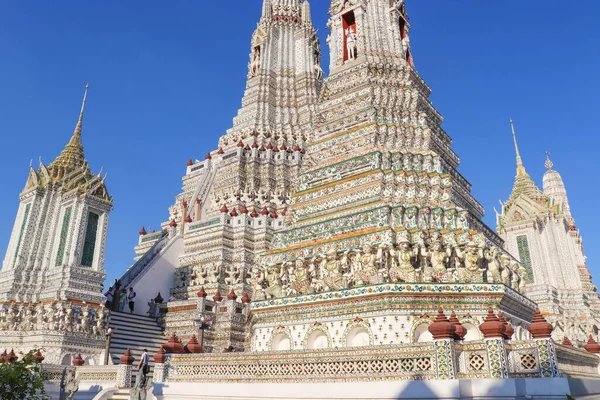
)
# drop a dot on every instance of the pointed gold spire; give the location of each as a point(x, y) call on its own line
point(520, 166)
point(72, 155)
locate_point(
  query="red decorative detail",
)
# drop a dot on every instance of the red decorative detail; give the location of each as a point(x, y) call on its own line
point(224, 209)
point(508, 330)
point(302, 151)
point(207, 157)
point(459, 330)
point(572, 228)
point(592, 346)
point(79, 361)
point(262, 148)
point(243, 209)
point(143, 231)
point(284, 212)
point(441, 327)
point(275, 149)
point(202, 292)
point(254, 214)
point(184, 203)
point(11, 357)
point(283, 147)
point(193, 346)
point(539, 327)
point(38, 357)
point(264, 211)
point(173, 224)
point(217, 297)
point(246, 299)
point(247, 147)
point(220, 151)
point(189, 163)
point(127, 358)
point(269, 146)
point(159, 358)
point(567, 342)
point(240, 144)
point(232, 295)
point(297, 148)
point(234, 213)
point(254, 145)
point(3, 357)
point(274, 215)
point(492, 327)
point(174, 345)
point(187, 219)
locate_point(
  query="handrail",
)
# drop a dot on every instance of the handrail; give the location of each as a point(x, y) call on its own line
point(132, 272)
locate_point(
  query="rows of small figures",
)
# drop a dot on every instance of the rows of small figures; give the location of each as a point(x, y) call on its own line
point(56, 316)
point(370, 265)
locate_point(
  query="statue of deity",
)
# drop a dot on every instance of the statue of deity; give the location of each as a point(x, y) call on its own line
point(273, 277)
point(369, 273)
point(351, 39)
point(438, 258)
point(302, 277)
point(258, 290)
point(255, 63)
point(494, 271)
point(471, 257)
point(404, 270)
point(332, 274)
point(212, 273)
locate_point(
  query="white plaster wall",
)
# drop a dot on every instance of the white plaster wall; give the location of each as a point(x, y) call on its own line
point(481, 389)
point(159, 277)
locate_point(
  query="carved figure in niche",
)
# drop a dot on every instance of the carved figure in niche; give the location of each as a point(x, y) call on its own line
point(331, 269)
point(100, 323)
point(437, 219)
point(450, 219)
point(11, 317)
point(273, 277)
point(463, 220)
point(523, 274)
point(302, 283)
point(258, 290)
point(494, 270)
point(27, 323)
point(438, 258)
point(471, 257)
point(255, 63)
point(39, 317)
point(516, 279)
point(212, 273)
point(424, 214)
point(369, 271)
point(50, 316)
point(406, 45)
point(351, 39)
point(85, 320)
point(231, 276)
point(68, 319)
point(410, 217)
point(3, 313)
point(506, 273)
point(318, 71)
point(404, 270)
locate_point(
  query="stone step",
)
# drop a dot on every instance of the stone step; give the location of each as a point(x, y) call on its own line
point(121, 394)
point(131, 317)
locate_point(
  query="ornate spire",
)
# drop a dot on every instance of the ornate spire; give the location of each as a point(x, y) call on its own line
point(72, 155)
point(548, 163)
point(520, 166)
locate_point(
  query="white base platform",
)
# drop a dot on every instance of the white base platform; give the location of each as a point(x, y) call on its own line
point(479, 389)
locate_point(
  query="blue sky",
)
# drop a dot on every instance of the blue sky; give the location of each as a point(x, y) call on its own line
point(166, 81)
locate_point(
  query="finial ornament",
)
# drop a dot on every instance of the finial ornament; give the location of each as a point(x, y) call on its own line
point(520, 167)
point(548, 163)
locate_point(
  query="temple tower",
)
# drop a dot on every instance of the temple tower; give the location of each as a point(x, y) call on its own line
point(238, 195)
point(56, 250)
point(379, 156)
point(539, 229)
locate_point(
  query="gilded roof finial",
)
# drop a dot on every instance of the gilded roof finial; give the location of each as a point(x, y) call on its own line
point(520, 167)
point(548, 163)
point(80, 120)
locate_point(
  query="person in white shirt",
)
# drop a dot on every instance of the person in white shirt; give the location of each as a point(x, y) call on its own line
point(131, 298)
point(144, 368)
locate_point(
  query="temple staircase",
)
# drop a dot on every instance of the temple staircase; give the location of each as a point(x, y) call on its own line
point(135, 332)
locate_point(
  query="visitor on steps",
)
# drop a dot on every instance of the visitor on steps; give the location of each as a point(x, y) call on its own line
point(123, 300)
point(109, 297)
point(131, 298)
